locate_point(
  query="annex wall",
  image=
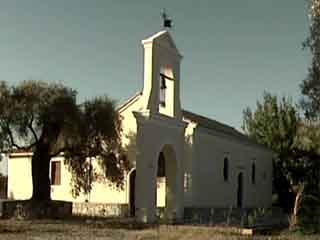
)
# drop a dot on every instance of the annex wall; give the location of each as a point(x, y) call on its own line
point(19, 177)
point(103, 191)
point(20, 184)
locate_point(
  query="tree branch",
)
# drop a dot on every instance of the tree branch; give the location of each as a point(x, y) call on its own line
point(14, 144)
point(11, 137)
point(32, 130)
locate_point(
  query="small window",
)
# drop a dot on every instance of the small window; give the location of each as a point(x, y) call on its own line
point(253, 173)
point(55, 173)
point(226, 169)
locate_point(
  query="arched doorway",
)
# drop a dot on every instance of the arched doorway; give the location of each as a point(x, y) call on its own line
point(132, 189)
point(167, 182)
point(240, 191)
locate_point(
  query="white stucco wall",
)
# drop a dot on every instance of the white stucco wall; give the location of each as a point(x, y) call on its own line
point(207, 171)
point(103, 191)
point(19, 177)
point(188, 161)
point(20, 184)
point(156, 133)
point(129, 128)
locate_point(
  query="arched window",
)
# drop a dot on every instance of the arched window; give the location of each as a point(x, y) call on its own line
point(253, 173)
point(161, 166)
point(240, 191)
point(226, 169)
point(163, 87)
point(166, 74)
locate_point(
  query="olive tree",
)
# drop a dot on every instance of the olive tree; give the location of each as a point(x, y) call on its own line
point(275, 123)
point(45, 119)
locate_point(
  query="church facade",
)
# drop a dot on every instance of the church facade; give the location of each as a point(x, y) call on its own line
point(179, 159)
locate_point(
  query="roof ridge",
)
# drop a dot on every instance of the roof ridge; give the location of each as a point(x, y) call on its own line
point(212, 124)
point(210, 119)
point(129, 100)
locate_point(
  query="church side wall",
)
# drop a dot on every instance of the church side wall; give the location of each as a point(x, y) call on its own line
point(187, 163)
point(208, 185)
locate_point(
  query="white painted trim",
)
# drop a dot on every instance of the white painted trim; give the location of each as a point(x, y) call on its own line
point(129, 102)
point(161, 119)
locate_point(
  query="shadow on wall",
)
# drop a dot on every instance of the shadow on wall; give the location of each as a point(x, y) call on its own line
point(125, 158)
point(130, 149)
point(3, 187)
point(187, 177)
point(11, 196)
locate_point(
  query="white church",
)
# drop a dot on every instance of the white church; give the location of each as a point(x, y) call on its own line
point(181, 160)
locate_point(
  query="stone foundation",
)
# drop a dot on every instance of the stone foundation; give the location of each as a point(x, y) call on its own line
point(235, 216)
point(28, 209)
point(100, 209)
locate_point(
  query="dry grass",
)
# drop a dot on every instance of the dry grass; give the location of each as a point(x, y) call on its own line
point(110, 229)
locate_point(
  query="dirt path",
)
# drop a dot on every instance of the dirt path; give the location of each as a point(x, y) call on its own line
point(80, 229)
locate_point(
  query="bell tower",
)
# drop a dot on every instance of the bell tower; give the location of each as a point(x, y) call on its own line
point(161, 88)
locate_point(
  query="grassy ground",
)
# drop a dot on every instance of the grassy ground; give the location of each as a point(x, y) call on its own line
point(110, 229)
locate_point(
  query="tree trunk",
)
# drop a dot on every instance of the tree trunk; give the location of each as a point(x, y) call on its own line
point(40, 173)
point(41, 162)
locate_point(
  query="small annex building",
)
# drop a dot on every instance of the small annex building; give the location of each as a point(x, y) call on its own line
point(181, 160)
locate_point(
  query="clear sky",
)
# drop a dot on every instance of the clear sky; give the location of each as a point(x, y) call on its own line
point(233, 50)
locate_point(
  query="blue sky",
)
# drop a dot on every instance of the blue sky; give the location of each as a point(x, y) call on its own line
point(233, 50)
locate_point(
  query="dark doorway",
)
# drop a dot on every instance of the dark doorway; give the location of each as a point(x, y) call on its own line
point(240, 191)
point(132, 188)
point(166, 190)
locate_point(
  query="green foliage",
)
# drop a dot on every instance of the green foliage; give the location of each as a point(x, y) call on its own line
point(311, 85)
point(296, 143)
point(28, 109)
point(275, 124)
point(45, 119)
point(309, 135)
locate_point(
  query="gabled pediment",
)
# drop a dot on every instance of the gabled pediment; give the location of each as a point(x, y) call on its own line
point(162, 38)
